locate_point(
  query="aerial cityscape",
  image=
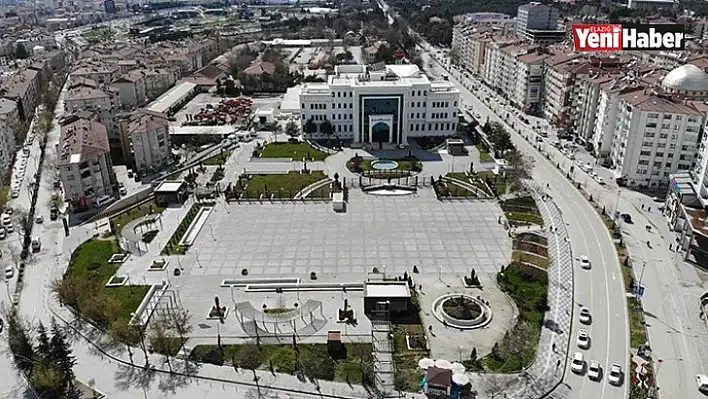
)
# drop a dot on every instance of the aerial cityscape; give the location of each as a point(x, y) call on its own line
point(354, 199)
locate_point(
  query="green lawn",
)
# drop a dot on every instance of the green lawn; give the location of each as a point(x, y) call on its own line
point(322, 192)
point(540, 261)
point(280, 185)
point(4, 197)
point(295, 151)
point(499, 182)
point(218, 159)
point(406, 360)
point(451, 190)
point(89, 264)
point(520, 218)
point(172, 246)
point(119, 221)
point(528, 291)
point(637, 330)
point(284, 358)
point(484, 156)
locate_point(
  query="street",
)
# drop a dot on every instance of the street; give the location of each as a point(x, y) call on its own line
point(600, 289)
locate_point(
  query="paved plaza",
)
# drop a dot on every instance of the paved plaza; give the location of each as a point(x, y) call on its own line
point(294, 239)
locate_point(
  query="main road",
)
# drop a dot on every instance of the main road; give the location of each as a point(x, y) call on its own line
point(601, 288)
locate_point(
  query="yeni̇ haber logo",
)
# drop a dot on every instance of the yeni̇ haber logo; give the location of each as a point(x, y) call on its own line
point(616, 37)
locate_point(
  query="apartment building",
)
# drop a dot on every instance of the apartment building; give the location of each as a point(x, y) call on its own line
point(558, 81)
point(9, 125)
point(150, 139)
point(23, 87)
point(131, 89)
point(654, 136)
point(538, 23)
point(380, 104)
point(495, 60)
point(84, 163)
point(98, 71)
point(471, 36)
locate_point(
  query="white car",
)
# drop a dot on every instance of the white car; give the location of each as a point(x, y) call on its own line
point(583, 339)
point(584, 316)
point(578, 363)
point(600, 180)
point(40, 219)
point(594, 371)
point(615, 375)
point(10, 228)
point(585, 262)
point(15, 194)
point(3, 234)
point(9, 272)
point(6, 219)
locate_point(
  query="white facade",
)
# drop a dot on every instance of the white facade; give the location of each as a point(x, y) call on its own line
point(653, 137)
point(700, 172)
point(9, 121)
point(150, 139)
point(84, 162)
point(388, 105)
point(605, 120)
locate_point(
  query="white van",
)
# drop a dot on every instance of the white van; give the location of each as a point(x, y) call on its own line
point(102, 201)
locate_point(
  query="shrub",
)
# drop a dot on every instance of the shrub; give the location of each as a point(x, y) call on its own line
point(285, 362)
point(214, 356)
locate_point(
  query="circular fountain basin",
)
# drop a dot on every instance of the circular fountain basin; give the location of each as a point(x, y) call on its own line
point(384, 164)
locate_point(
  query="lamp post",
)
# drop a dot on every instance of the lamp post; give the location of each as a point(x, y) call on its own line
point(459, 350)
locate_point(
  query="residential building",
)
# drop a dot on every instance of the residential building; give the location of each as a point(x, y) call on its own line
point(654, 136)
point(104, 105)
point(496, 63)
point(150, 139)
point(84, 163)
point(558, 83)
point(470, 40)
point(9, 125)
point(380, 104)
point(131, 89)
point(538, 23)
point(158, 81)
point(100, 72)
point(22, 86)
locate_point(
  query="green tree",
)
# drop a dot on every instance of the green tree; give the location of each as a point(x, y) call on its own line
point(19, 340)
point(48, 380)
point(61, 355)
point(180, 321)
point(122, 332)
point(327, 128)
point(43, 349)
point(292, 129)
point(21, 51)
point(310, 126)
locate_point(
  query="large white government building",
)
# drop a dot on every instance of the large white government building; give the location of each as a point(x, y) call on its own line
point(380, 104)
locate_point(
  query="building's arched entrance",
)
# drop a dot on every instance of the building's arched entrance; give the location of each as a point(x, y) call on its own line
point(380, 133)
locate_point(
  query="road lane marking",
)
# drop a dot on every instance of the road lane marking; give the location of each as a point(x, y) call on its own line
point(613, 276)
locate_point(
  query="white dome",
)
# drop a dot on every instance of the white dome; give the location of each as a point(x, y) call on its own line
point(686, 78)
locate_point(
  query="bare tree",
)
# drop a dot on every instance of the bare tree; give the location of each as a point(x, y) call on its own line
point(493, 385)
point(123, 332)
point(162, 336)
point(519, 168)
point(180, 322)
point(249, 357)
point(25, 222)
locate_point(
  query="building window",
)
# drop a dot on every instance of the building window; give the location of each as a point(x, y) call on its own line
point(425, 93)
point(455, 104)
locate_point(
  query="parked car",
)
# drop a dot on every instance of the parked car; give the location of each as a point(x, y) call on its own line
point(53, 214)
point(3, 233)
point(702, 382)
point(10, 228)
point(6, 219)
point(627, 218)
point(9, 272)
point(578, 363)
point(130, 173)
point(583, 339)
point(40, 219)
point(615, 375)
point(123, 191)
point(584, 316)
point(594, 371)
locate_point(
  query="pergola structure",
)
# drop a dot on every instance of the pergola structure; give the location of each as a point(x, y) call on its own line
point(283, 323)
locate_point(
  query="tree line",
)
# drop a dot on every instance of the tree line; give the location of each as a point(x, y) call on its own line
point(45, 357)
point(518, 166)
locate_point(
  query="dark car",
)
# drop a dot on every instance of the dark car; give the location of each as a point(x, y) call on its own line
point(53, 214)
point(627, 218)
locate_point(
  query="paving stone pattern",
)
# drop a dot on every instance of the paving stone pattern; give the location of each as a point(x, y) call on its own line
point(283, 239)
point(545, 373)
